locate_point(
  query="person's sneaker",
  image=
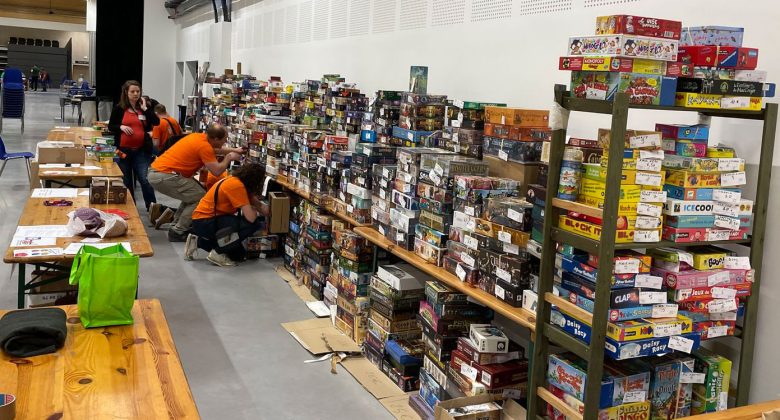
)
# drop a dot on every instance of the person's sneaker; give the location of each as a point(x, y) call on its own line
point(190, 247)
point(174, 236)
point(221, 260)
point(165, 217)
point(155, 210)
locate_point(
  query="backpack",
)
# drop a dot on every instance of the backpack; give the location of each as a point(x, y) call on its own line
point(170, 142)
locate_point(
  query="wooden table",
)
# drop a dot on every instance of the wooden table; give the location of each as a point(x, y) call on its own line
point(77, 176)
point(35, 214)
point(128, 372)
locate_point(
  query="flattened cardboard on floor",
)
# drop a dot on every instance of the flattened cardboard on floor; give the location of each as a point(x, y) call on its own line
point(399, 407)
point(319, 336)
point(372, 379)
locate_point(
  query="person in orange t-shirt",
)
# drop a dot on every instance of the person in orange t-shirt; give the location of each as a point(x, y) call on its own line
point(172, 173)
point(217, 210)
point(167, 127)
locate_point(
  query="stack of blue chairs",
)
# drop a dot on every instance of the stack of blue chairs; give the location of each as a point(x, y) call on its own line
point(12, 96)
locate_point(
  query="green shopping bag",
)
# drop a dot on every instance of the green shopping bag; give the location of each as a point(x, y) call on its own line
point(108, 280)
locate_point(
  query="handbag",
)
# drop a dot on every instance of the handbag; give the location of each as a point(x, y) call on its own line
point(108, 281)
point(227, 235)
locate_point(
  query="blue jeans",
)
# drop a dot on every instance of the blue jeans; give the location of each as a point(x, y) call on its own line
point(135, 167)
point(206, 230)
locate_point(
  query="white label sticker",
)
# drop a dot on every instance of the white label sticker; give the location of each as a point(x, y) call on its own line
point(438, 169)
point(503, 275)
point(514, 215)
point(731, 223)
point(386, 173)
point(649, 196)
point(627, 266)
point(647, 236)
point(471, 225)
point(737, 263)
point(591, 93)
point(652, 165)
point(733, 179)
point(648, 281)
point(714, 235)
point(665, 310)
point(500, 292)
point(723, 401)
point(350, 208)
point(651, 154)
point(503, 155)
point(410, 136)
point(462, 184)
point(460, 272)
point(647, 222)
point(733, 102)
point(434, 177)
point(383, 194)
point(646, 140)
point(505, 237)
point(717, 331)
point(730, 164)
point(470, 211)
point(722, 305)
point(469, 372)
point(680, 343)
point(382, 230)
point(471, 242)
point(725, 209)
point(511, 249)
point(666, 330)
point(725, 196)
point(646, 209)
point(634, 396)
point(718, 278)
point(723, 293)
point(649, 298)
point(692, 378)
point(399, 237)
point(649, 179)
point(467, 259)
point(289, 251)
point(514, 394)
point(724, 316)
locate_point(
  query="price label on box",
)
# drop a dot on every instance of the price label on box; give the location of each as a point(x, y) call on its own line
point(503, 275)
point(736, 263)
point(649, 196)
point(718, 278)
point(386, 173)
point(471, 225)
point(722, 305)
point(649, 179)
point(725, 196)
point(647, 236)
point(652, 154)
point(435, 178)
point(648, 281)
point(438, 169)
point(471, 242)
point(666, 330)
point(725, 222)
point(724, 316)
point(665, 310)
point(650, 298)
point(504, 236)
point(692, 378)
point(653, 165)
point(467, 259)
point(634, 397)
point(469, 372)
point(723, 401)
point(717, 331)
point(723, 293)
point(645, 140)
point(469, 211)
point(350, 208)
point(730, 164)
point(714, 235)
point(645, 209)
point(627, 266)
point(733, 179)
point(725, 209)
point(503, 155)
point(500, 292)
point(591, 93)
point(680, 343)
point(514, 215)
point(410, 136)
point(511, 248)
point(647, 222)
point(733, 102)
point(460, 272)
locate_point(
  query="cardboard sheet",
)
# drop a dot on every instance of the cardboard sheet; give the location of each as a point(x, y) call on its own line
point(299, 289)
point(399, 407)
point(372, 379)
point(319, 336)
point(284, 274)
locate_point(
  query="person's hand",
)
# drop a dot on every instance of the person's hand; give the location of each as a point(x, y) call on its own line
point(239, 150)
point(233, 156)
point(143, 103)
point(127, 130)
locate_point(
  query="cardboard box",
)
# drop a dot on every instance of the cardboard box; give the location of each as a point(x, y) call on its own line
point(638, 25)
point(488, 339)
point(517, 117)
point(646, 89)
point(713, 35)
point(492, 412)
point(60, 152)
point(280, 212)
point(107, 190)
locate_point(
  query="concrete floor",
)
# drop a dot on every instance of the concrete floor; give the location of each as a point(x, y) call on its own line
point(240, 363)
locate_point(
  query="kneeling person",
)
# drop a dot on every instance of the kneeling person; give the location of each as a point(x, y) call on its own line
point(226, 216)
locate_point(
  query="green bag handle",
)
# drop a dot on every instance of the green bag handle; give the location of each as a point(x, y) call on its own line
point(86, 252)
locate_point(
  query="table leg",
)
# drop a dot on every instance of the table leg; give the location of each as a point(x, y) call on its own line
point(20, 297)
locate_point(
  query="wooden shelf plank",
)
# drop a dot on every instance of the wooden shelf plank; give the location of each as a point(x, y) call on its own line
point(556, 402)
point(591, 246)
point(748, 412)
point(577, 207)
point(605, 107)
point(520, 316)
point(569, 308)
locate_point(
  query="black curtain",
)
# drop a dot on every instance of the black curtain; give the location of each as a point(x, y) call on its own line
point(118, 45)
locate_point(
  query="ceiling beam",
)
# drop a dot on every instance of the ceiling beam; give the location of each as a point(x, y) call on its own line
point(35, 13)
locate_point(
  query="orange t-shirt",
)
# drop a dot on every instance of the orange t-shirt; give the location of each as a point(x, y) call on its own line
point(212, 179)
point(167, 127)
point(231, 197)
point(186, 156)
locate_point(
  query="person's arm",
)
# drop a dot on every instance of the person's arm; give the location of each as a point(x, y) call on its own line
point(249, 212)
point(217, 168)
point(226, 150)
point(152, 119)
point(115, 121)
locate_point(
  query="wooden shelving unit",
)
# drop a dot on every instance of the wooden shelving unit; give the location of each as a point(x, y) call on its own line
point(330, 208)
point(593, 353)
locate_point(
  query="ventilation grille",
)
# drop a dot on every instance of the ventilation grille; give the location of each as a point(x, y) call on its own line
point(599, 3)
point(384, 12)
point(268, 29)
point(320, 29)
point(358, 17)
point(338, 18)
point(448, 12)
point(279, 26)
point(482, 10)
point(291, 25)
point(304, 22)
point(414, 14)
point(536, 7)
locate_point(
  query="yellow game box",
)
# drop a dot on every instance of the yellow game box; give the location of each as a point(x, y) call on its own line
point(645, 328)
point(689, 179)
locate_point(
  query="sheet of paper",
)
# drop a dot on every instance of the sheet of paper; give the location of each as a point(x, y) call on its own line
point(43, 231)
point(51, 165)
point(73, 248)
point(32, 241)
point(91, 168)
point(37, 252)
point(54, 193)
point(319, 308)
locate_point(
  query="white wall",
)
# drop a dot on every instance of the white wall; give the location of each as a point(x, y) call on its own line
point(160, 39)
point(491, 50)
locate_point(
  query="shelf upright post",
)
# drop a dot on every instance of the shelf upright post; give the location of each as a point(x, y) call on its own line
point(541, 346)
point(757, 253)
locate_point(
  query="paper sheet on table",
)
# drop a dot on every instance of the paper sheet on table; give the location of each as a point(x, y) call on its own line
point(59, 173)
point(54, 193)
point(59, 165)
point(73, 248)
point(319, 308)
point(43, 231)
point(37, 252)
point(32, 241)
point(91, 168)
point(84, 193)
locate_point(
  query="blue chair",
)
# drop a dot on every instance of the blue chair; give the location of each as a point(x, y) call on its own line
point(12, 97)
point(5, 157)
